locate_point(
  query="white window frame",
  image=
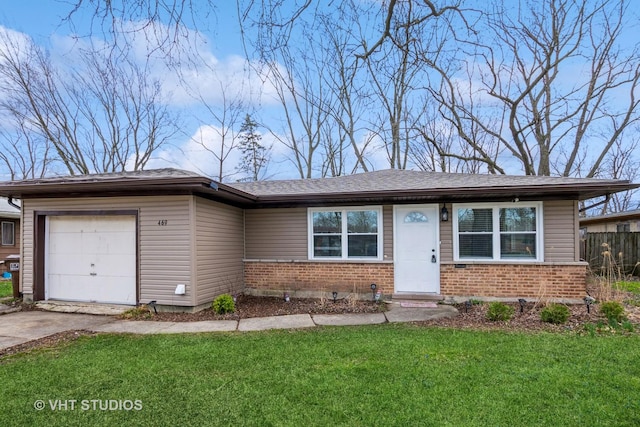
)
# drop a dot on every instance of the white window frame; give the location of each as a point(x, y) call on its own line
point(495, 207)
point(344, 233)
point(13, 233)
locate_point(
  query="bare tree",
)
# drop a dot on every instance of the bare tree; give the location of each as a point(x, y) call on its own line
point(622, 162)
point(103, 116)
point(368, 90)
point(392, 72)
point(24, 153)
point(166, 25)
point(342, 73)
point(557, 75)
point(224, 118)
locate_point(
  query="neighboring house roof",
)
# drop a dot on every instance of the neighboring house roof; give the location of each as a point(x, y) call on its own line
point(395, 186)
point(8, 211)
point(612, 217)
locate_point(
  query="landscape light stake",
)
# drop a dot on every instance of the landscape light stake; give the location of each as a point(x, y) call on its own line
point(152, 304)
point(588, 301)
point(522, 302)
point(335, 296)
point(467, 305)
point(373, 290)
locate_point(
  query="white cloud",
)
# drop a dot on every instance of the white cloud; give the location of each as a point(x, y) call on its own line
point(189, 74)
point(16, 46)
point(201, 154)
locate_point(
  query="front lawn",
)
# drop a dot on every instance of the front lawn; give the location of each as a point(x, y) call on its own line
point(384, 375)
point(6, 288)
point(629, 286)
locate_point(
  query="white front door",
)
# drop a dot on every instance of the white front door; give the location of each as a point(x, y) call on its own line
point(416, 248)
point(91, 258)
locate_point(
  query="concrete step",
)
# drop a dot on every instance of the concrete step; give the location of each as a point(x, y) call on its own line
point(416, 297)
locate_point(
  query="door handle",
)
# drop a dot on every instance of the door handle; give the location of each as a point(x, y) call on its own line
point(433, 258)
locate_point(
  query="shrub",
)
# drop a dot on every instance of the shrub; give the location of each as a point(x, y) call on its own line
point(223, 304)
point(499, 311)
point(140, 312)
point(613, 311)
point(555, 313)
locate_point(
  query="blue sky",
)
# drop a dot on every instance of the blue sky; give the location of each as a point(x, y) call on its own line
point(43, 21)
point(225, 59)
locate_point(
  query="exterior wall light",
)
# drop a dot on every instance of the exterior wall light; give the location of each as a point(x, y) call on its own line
point(444, 214)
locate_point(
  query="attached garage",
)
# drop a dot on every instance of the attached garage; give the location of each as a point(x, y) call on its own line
point(91, 258)
point(165, 236)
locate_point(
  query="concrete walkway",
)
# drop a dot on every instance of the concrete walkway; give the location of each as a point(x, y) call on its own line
point(21, 327)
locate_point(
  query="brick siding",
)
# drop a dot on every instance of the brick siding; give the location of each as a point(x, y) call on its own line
point(509, 280)
point(566, 281)
point(318, 276)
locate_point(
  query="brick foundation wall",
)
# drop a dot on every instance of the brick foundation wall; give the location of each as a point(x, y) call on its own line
point(318, 276)
point(509, 280)
point(564, 281)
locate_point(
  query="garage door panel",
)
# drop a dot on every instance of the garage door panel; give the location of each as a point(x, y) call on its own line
point(65, 243)
point(92, 258)
point(103, 243)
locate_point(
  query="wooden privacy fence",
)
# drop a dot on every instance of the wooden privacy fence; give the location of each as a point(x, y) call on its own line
point(624, 248)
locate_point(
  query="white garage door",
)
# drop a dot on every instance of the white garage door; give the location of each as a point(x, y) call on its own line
point(91, 258)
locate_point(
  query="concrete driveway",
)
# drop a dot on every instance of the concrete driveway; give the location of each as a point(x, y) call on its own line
point(23, 326)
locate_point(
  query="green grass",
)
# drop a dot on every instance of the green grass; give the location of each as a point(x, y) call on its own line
point(629, 286)
point(6, 288)
point(385, 375)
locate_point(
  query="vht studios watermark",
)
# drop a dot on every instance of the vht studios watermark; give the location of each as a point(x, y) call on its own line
point(88, 405)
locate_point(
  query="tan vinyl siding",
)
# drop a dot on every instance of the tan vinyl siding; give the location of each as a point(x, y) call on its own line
point(446, 236)
point(561, 231)
point(219, 249)
point(163, 250)
point(281, 234)
point(276, 234)
point(387, 230)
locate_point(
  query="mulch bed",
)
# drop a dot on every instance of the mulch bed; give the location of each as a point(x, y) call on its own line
point(248, 306)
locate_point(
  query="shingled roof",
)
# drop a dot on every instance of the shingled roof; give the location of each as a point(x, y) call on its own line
point(385, 186)
point(395, 185)
point(407, 180)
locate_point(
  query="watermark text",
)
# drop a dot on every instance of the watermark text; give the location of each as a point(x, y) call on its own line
point(88, 405)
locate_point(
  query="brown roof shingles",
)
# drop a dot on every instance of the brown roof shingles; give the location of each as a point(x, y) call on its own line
point(406, 180)
point(384, 186)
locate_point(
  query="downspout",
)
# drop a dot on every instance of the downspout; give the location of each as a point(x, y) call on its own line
point(10, 201)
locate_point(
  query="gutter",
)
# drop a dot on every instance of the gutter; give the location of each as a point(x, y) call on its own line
point(11, 203)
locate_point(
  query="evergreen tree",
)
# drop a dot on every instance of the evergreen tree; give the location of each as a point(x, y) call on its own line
point(254, 154)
